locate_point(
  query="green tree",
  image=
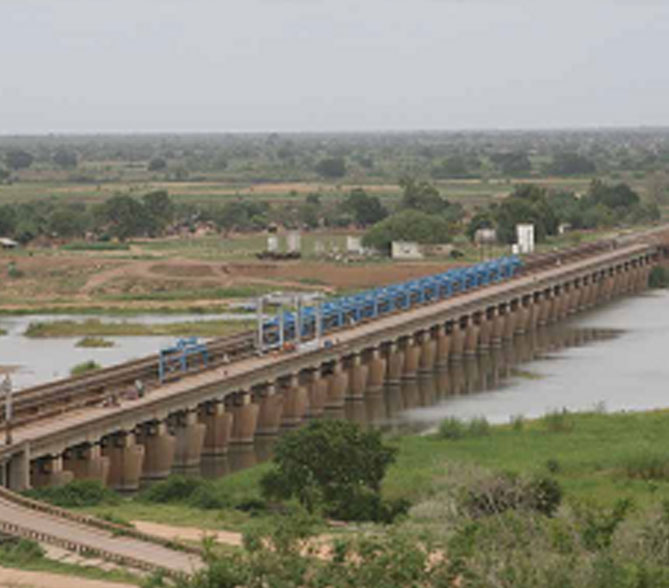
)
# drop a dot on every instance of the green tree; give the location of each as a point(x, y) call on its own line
point(331, 167)
point(571, 164)
point(365, 209)
point(122, 217)
point(407, 225)
point(422, 196)
point(328, 464)
point(514, 163)
point(528, 204)
point(454, 167)
point(157, 164)
point(68, 221)
point(18, 159)
point(159, 209)
point(65, 158)
point(7, 220)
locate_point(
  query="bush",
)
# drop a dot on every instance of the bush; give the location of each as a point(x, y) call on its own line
point(647, 467)
point(659, 277)
point(20, 551)
point(558, 421)
point(206, 497)
point(367, 506)
point(451, 428)
point(509, 492)
point(173, 489)
point(518, 422)
point(77, 493)
point(84, 367)
point(478, 427)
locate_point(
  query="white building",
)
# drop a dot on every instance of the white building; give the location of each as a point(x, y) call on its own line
point(406, 250)
point(294, 242)
point(353, 245)
point(525, 238)
point(272, 243)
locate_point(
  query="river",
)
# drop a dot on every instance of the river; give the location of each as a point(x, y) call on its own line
point(613, 357)
point(36, 361)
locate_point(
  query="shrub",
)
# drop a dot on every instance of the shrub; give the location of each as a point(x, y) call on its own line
point(659, 277)
point(509, 492)
point(173, 489)
point(84, 367)
point(518, 422)
point(77, 493)
point(206, 497)
point(647, 467)
point(451, 428)
point(598, 524)
point(13, 271)
point(553, 465)
point(478, 427)
point(558, 421)
point(20, 551)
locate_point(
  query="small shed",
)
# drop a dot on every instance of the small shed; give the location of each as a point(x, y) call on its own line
point(6, 243)
point(406, 250)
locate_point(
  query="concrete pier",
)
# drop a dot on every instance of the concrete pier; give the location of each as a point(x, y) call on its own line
point(159, 447)
point(189, 434)
point(244, 418)
point(126, 460)
point(376, 372)
point(49, 472)
point(86, 462)
point(218, 422)
point(337, 386)
point(270, 411)
point(357, 378)
point(295, 402)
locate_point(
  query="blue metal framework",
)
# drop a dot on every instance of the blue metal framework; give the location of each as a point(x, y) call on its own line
point(176, 357)
point(371, 304)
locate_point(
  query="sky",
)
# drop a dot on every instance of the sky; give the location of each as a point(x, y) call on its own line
point(90, 66)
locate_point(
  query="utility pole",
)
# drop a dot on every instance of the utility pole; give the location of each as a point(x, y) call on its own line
point(7, 389)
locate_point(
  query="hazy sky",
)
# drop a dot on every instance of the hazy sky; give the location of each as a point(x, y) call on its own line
point(309, 65)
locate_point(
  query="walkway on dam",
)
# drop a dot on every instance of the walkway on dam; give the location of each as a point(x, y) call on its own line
point(81, 417)
point(44, 523)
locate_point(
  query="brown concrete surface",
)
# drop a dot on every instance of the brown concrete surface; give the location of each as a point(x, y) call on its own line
point(97, 538)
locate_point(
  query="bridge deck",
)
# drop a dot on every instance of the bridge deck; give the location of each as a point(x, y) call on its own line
point(45, 523)
point(73, 419)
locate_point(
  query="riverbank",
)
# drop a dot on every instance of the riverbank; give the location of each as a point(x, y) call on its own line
point(596, 458)
point(97, 328)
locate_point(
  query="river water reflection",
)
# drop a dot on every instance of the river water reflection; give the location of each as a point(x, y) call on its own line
point(616, 357)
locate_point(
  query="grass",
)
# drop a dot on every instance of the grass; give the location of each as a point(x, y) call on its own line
point(84, 367)
point(235, 490)
point(93, 329)
point(2, 331)
point(90, 341)
point(601, 457)
point(95, 246)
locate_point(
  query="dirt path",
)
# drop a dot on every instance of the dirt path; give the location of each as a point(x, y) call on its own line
point(24, 579)
point(188, 533)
